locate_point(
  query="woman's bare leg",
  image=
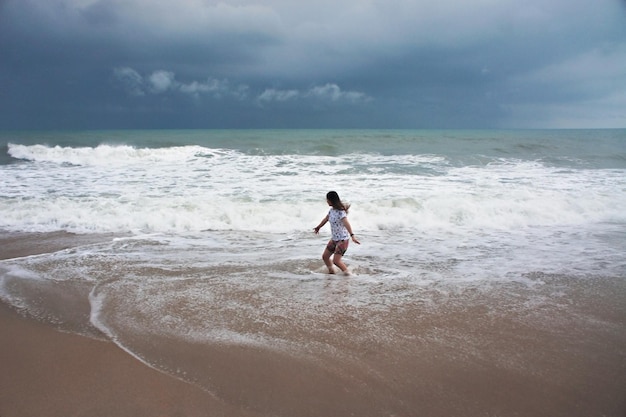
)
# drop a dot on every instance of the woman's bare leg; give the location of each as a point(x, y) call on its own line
point(326, 257)
point(337, 261)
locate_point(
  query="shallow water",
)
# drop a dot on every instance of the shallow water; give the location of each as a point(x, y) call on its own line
point(472, 244)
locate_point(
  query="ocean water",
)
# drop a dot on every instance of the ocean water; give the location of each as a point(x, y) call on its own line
point(211, 238)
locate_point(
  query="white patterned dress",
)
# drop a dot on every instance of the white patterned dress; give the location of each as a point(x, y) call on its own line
point(337, 228)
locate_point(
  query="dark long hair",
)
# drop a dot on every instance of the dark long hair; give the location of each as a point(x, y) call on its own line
point(335, 201)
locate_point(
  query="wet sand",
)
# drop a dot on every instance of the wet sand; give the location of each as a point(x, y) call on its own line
point(49, 373)
point(459, 361)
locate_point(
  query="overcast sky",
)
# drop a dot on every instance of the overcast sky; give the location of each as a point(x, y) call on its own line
point(92, 64)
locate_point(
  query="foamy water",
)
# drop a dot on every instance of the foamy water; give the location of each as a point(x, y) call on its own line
point(216, 241)
point(192, 188)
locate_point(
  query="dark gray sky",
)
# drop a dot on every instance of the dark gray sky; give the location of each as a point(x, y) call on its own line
point(77, 64)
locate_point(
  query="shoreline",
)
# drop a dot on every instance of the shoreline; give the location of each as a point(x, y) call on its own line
point(47, 372)
point(459, 361)
point(22, 244)
point(54, 374)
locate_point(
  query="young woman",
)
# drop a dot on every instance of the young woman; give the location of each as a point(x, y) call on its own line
point(341, 232)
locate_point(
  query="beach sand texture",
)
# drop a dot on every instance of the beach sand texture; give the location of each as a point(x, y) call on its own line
point(472, 363)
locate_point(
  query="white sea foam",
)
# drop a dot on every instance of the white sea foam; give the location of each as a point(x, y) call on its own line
point(105, 155)
point(120, 188)
point(9, 273)
point(419, 216)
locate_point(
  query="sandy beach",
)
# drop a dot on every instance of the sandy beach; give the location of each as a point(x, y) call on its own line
point(46, 372)
point(473, 363)
point(49, 373)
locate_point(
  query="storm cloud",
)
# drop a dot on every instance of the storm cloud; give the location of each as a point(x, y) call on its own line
point(355, 63)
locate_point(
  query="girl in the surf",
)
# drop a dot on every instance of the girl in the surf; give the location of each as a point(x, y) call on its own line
point(341, 232)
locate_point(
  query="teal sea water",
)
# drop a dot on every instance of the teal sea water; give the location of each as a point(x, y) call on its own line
point(596, 148)
point(214, 239)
